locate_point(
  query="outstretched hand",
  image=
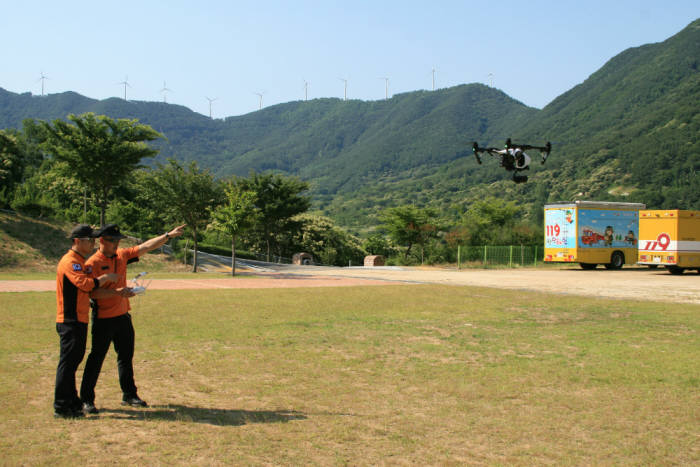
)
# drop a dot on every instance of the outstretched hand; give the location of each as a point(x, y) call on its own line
point(177, 231)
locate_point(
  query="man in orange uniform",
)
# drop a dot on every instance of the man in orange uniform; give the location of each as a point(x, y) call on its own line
point(111, 318)
point(74, 282)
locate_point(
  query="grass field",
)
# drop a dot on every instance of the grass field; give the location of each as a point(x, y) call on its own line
point(358, 375)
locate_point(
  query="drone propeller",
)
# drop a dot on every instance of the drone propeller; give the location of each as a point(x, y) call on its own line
point(475, 149)
point(547, 150)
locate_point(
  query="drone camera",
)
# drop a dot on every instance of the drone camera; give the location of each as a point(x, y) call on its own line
point(519, 178)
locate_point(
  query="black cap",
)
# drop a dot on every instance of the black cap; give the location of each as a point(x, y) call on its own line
point(82, 231)
point(109, 230)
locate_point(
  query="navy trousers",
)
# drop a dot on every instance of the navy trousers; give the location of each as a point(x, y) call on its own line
point(72, 340)
point(117, 330)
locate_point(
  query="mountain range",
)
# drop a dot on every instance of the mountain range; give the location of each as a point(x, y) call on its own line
point(629, 132)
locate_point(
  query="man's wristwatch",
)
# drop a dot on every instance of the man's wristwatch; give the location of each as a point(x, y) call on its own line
point(167, 236)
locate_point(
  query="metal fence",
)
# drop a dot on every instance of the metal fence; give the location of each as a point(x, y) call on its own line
point(511, 255)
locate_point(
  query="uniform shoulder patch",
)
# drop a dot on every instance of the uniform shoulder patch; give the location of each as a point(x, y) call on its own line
point(77, 267)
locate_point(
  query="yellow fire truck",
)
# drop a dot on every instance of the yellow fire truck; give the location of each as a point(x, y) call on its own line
point(670, 238)
point(592, 233)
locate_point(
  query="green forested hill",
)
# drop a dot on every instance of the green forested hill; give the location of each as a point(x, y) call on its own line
point(628, 132)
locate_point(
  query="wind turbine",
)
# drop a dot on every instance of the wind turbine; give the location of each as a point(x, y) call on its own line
point(387, 87)
point(433, 79)
point(306, 90)
point(260, 95)
point(491, 78)
point(210, 101)
point(164, 91)
point(125, 83)
point(42, 79)
point(345, 96)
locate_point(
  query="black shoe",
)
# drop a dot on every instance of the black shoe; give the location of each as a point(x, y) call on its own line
point(134, 401)
point(89, 407)
point(70, 413)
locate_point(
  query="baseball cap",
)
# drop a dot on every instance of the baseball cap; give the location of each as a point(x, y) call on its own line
point(109, 230)
point(82, 231)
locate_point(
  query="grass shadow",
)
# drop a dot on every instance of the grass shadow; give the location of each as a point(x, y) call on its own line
point(223, 417)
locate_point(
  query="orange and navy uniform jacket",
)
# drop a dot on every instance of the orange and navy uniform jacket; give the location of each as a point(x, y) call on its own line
point(74, 282)
point(112, 306)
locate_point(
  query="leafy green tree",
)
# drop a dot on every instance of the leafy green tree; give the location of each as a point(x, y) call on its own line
point(409, 226)
point(187, 194)
point(493, 221)
point(137, 207)
point(235, 216)
point(278, 199)
point(324, 240)
point(100, 151)
point(10, 166)
point(378, 244)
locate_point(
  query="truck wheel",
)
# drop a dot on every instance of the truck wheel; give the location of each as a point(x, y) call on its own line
point(588, 266)
point(617, 259)
point(675, 270)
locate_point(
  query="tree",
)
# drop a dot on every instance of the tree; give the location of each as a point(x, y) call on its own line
point(100, 151)
point(493, 221)
point(320, 236)
point(187, 194)
point(409, 225)
point(10, 166)
point(378, 244)
point(278, 199)
point(235, 215)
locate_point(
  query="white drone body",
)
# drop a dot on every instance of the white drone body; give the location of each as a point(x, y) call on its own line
point(138, 285)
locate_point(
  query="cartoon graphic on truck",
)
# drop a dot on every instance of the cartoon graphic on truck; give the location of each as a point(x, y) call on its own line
point(609, 235)
point(590, 237)
point(584, 232)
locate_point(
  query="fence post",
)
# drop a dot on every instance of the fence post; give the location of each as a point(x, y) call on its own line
point(535, 255)
point(485, 247)
point(510, 257)
point(459, 257)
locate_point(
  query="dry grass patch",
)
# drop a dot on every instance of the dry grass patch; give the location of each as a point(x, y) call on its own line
point(381, 375)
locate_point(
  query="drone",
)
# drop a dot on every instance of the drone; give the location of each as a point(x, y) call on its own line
point(513, 157)
point(139, 287)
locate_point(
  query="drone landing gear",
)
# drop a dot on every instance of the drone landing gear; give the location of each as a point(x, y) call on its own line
point(517, 178)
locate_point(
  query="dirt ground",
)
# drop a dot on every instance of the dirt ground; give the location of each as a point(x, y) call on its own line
point(628, 283)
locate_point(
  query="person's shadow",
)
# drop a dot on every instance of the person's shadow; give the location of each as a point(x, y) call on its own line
point(175, 412)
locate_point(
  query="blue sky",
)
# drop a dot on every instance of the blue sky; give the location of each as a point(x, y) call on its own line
point(231, 50)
